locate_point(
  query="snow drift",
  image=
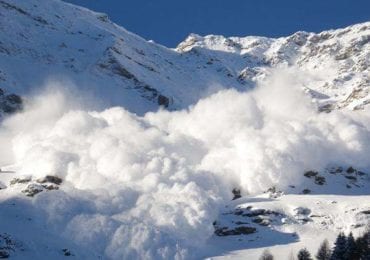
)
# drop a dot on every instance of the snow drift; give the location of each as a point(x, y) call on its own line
point(150, 186)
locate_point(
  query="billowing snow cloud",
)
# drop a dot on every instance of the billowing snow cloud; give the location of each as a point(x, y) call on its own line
point(151, 186)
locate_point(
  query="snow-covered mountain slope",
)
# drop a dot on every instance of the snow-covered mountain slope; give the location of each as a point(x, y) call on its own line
point(338, 58)
point(242, 159)
point(44, 40)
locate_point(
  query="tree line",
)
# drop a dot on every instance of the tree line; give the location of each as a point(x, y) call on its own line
point(345, 248)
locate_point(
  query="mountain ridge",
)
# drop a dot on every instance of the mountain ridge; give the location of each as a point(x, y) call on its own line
point(141, 71)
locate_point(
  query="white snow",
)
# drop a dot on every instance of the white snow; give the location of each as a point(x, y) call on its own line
point(151, 186)
point(142, 182)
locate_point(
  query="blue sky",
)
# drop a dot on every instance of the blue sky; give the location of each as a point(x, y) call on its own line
point(169, 21)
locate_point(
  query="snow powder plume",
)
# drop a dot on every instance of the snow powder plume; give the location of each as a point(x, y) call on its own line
point(151, 186)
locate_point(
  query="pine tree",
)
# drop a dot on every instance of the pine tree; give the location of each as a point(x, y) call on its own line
point(363, 246)
point(303, 254)
point(266, 255)
point(351, 248)
point(324, 252)
point(339, 248)
point(360, 245)
point(366, 246)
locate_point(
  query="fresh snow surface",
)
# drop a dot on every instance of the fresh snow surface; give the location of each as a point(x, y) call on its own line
point(93, 168)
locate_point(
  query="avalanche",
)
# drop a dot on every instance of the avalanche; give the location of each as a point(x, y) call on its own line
point(94, 168)
point(151, 186)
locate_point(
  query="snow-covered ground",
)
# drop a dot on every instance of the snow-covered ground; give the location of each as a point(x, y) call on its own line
point(93, 168)
point(299, 222)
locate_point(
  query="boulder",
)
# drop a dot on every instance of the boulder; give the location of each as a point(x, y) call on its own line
point(51, 179)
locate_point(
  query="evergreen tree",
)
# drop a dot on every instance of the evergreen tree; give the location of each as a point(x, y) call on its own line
point(303, 254)
point(324, 252)
point(339, 248)
point(266, 255)
point(365, 254)
point(360, 246)
point(351, 248)
point(363, 247)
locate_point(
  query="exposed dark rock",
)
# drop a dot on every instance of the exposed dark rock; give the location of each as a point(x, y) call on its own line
point(13, 7)
point(237, 194)
point(51, 179)
point(320, 180)
point(8, 245)
point(242, 230)
point(20, 180)
point(336, 170)
point(4, 254)
point(163, 101)
point(10, 103)
point(141, 52)
point(360, 173)
point(353, 178)
point(261, 221)
point(238, 212)
point(40, 20)
point(23, 12)
point(274, 192)
point(358, 225)
point(14, 99)
point(343, 56)
point(146, 66)
point(112, 65)
point(317, 216)
point(306, 191)
point(33, 189)
point(116, 67)
point(301, 214)
point(327, 108)
point(299, 38)
point(67, 252)
point(210, 62)
point(50, 187)
point(120, 70)
point(103, 17)
point(350, 170)
point(260, 212)
point(302, 211)
point(241, 223)
point(310, 174)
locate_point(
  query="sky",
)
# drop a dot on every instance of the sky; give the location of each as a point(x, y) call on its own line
point(168, 22)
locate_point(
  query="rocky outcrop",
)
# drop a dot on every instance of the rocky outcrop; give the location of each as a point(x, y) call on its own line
point(8, 245)
point(242, 230)
point(10, 103)
point(47, 183)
